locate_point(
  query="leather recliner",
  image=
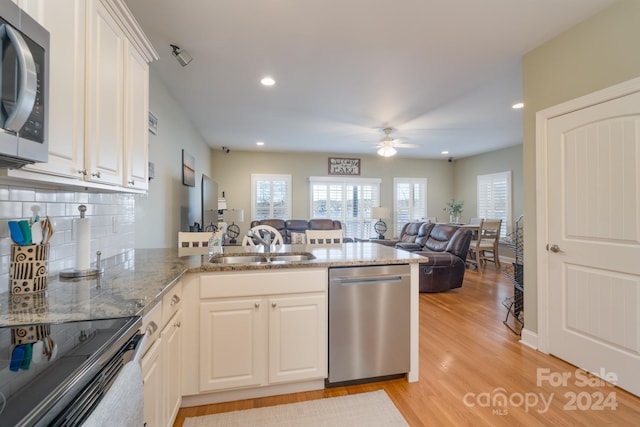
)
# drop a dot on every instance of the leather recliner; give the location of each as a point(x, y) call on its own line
point(447, 247)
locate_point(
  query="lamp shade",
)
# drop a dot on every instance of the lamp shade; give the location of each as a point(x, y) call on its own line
point(222, 203)
point(380, 212)
point(234, 215)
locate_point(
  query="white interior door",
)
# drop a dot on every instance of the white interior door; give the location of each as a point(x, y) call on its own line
point(593, 163)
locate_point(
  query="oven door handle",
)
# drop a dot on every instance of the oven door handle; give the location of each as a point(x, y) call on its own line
point(142, 342)
point(28, 80)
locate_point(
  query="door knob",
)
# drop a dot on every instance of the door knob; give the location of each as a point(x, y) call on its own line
point(554, 248)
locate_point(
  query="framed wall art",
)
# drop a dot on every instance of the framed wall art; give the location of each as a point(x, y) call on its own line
point(153, 123)
point(342, 166)
point(188, 169)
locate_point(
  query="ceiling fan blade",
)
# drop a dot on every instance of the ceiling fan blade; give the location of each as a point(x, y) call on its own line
point(402, 145)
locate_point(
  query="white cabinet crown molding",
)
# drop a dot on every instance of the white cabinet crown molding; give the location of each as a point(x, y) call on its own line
point(134, 32)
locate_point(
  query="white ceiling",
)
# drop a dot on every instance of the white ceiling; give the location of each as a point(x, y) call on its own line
point(442, 73)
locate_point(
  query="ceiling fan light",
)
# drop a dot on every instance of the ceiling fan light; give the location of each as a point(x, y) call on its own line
point(387, 151)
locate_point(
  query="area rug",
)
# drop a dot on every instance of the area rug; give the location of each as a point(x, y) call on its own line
point(363, 409)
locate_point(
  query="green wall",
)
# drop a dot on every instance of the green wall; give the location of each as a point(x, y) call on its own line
point(233, 172)
point(169, 206)
point(593, 55)
point(468, 169)
point(444, 180)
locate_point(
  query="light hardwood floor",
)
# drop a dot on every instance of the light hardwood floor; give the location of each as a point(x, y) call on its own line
point(466, 351)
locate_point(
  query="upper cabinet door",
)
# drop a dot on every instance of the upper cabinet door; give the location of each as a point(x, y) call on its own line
point(105, 87)
point(136, 108)
point(65, 21)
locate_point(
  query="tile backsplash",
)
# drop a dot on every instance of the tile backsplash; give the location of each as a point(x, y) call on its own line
point(112, 223)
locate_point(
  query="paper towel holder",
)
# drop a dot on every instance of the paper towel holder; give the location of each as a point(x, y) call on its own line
point(72, 273)
point(89, 272)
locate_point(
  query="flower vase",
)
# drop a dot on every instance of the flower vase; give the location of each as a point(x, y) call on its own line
point(454, 219)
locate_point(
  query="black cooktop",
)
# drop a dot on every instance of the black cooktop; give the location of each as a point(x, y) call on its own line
point(40, 361)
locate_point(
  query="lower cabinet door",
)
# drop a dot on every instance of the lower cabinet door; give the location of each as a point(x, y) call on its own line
point(233, 343)
point(172, 338)
point(297, 338)
point(153, 378)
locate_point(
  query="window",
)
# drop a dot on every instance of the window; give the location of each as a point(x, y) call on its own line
point(271, 196)
point(410, 201)
point(494, 198)
point(348, 200)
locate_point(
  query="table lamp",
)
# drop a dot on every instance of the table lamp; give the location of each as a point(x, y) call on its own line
point(380, 227)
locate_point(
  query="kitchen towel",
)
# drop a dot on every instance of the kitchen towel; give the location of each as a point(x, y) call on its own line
point(123, 405)
point(82, 233)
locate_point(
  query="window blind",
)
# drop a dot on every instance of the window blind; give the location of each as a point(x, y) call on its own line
point(410, 201)
point(348, 200)
point(494, 198)
point(271, 196)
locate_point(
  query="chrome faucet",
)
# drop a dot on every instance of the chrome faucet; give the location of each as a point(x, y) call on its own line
point(266, 241)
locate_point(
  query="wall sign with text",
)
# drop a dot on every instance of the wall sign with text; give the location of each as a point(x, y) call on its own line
point(340, 166)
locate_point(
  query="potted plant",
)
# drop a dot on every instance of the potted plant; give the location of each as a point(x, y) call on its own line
point(454, 208)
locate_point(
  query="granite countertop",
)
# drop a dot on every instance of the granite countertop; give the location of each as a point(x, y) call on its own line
point(136, 280)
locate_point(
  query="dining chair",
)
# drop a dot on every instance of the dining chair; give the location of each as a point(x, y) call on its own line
point(323, 237)
point(485, 247)
point(475, 221)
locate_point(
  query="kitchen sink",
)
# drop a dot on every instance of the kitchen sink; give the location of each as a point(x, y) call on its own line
point(267, 258)
point(237, 259)
point(291, 257)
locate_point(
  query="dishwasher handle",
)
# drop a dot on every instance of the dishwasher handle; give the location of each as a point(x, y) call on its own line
point(366, 280)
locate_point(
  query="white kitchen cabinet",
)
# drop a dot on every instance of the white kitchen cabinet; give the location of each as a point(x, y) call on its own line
point(161, 362)
point(153, 374)
point(136, 119)
point(98, 98)
point(172, 347)
point(297, 336)
point(262, 328)
point(65, 21)
point(105, 97)
point(232, 344)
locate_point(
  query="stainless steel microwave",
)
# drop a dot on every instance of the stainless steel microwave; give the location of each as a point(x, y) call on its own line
point(24, 83)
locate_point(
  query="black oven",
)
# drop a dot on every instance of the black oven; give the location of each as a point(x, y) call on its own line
point(24, 81)
point(55, 375)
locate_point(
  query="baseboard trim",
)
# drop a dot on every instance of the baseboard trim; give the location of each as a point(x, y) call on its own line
point(529, 338)
point(251, 393)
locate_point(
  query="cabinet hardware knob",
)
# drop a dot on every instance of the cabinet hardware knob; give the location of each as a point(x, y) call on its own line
point(257, 304)
point(97, 174)
point(83, 172)
point(175, 299)
point(274, 305)
point(177, 324)
point(132, 182)
point(152, 327)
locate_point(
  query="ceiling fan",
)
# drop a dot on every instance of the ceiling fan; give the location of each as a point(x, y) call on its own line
point(387, 145)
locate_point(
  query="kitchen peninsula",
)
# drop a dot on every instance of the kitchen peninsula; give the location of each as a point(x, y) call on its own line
point(169, 290)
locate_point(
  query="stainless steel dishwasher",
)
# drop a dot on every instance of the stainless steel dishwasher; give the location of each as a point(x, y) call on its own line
point(369, 323)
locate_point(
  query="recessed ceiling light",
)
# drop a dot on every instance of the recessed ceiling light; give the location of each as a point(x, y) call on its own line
point(445, 152)
point(517, 106)
point(259, 143)
point(268, 81)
